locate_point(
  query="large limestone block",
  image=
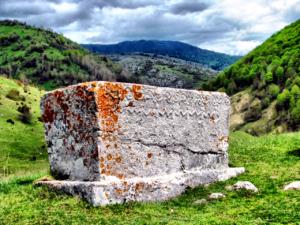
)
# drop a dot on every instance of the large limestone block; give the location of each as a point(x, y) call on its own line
point(113, 133)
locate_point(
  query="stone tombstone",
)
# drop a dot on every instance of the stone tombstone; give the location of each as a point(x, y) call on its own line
point(114, 142)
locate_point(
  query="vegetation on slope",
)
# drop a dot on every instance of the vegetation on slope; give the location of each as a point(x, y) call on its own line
point(48, 59)
point(271, 162)
point(164, 71)
point(176, 49)
point(272, 70)
point(22, 147)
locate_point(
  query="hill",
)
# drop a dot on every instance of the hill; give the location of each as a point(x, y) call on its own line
point(22, 145)
point(269, 77)
point(180, 50)
point(46, 58)
point(164, 71)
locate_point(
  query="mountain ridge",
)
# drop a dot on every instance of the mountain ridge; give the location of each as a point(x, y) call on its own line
point(176, 49)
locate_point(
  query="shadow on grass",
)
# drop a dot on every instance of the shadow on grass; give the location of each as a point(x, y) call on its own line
point(294, 153)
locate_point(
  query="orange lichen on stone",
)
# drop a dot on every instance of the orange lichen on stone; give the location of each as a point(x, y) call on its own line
point(109, 157)
point(118, 191)
point(49, 114)
point(109, 97)
point(118, 159)
point(136, 92)
point(121, 176)
point(139, 186)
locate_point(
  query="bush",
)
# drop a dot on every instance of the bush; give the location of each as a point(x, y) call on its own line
point(283, 99)
point(231, 88)
point(25, 114)
point(279, 72)
point(295, 113)
point(265, 102)
point(268, 77)
point(14, 95)
point(295, 91)
point(273, 90)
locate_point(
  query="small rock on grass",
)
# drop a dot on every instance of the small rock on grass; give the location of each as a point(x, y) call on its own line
point(244, 185)
point(201, 201)
point(295, 185)
point(216, 196)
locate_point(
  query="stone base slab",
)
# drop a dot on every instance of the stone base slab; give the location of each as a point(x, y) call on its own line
point(157, 188)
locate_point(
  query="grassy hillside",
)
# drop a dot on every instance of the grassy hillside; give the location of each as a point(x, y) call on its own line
point(272, 71)
point(49, 59)
point(176, 49)
point(22, 147)
point(271, 162)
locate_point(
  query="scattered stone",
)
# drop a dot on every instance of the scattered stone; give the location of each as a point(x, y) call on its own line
point(201, 201)
point(10, 121)
point(112, 142)
point(229, 188)
point(244, 185)
point(214, 196)
point(295, 185)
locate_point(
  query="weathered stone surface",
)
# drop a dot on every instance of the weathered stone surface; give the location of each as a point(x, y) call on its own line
point(216, 195)
point(244, 185)
point(295, 185)
point(201, 201)
point(126, 134)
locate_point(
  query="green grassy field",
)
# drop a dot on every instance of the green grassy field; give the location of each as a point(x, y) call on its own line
point(22, 148)
point(271, 162)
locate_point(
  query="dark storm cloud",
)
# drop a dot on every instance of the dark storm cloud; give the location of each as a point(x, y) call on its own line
point(20, 9)
point(185, 7)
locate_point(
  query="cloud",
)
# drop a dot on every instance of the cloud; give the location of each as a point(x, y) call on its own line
point(230, 26)
point(185, 7)
point(22, 9)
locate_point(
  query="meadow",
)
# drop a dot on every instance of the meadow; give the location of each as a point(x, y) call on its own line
point(271, 161)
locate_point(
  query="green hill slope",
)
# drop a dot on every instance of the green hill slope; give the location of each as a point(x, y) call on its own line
point(49, 59)
point(272, 71)
point(22, 147)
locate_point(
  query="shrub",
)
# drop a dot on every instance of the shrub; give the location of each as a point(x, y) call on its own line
point(283, 99)
point(268, 77)
point(279, 72)
point(231, 88)
point(14, 95)
point(265, 102)
point(273, 90)
point(254, 111)
point(25, 114)
point(295, 113)
point(295, 91)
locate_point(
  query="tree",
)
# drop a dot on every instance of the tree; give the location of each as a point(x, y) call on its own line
point(279, 72)
point(268, 77)
point(295, 113)
point(273, 90)
point(283, 99)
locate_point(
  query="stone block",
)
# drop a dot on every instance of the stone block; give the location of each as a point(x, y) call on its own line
point(112, 142)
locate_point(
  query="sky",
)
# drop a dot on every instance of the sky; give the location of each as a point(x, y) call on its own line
point(229, 26)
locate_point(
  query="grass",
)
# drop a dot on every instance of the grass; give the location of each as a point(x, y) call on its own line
point(22, 147)
point(271, 161)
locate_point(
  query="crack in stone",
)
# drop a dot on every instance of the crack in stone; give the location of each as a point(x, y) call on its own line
point(174, 145)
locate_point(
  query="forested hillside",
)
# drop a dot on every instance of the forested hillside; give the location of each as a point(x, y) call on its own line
point(176, 49)
point(272, 71)
point(46, 58)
